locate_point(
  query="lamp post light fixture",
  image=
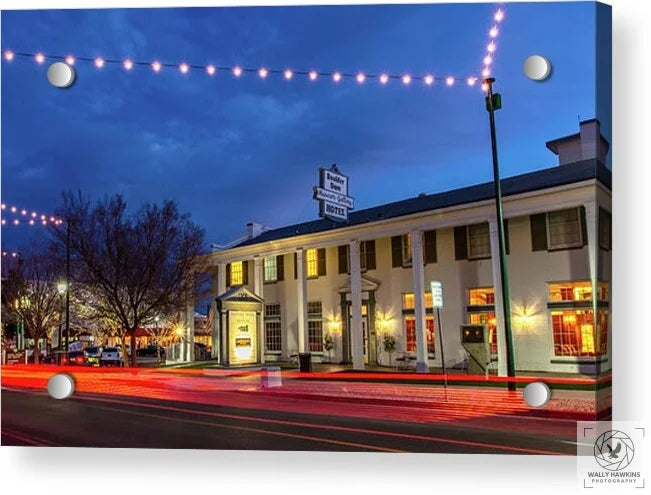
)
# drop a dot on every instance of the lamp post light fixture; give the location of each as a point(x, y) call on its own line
point(494, 102)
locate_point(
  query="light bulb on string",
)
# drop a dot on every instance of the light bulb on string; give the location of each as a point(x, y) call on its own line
point(99, 62)
point(336, 77)
point(406, 79)
point(184, 68)
point(429, 79)
point(9, 55)
point(499, 15)
point(263, 73)
point(211, 70)
point(313, 75)
point(128, 64)
point(40, 58)
point(237, 71)
point(70, 60)
point(156, 66)
point(449, 80)
point(288, 74)
point(360, 78)
point(384, 78)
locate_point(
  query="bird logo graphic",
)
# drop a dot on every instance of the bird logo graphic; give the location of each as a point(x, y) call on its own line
point(614, 453)
point(614, 450)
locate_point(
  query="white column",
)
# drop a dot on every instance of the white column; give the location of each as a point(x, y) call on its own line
point(422, 363)
point(356, 335)
point(217, 272)
point(499, 307)
point(258, 288)
point(258, 279)
point(592, 226)
point(189, 331)
point(301, 293)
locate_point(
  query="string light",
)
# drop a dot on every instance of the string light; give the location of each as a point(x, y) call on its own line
point(237, 71)
point(32, 217)
point(493, 33)
point(13, 254)
point(287, 74)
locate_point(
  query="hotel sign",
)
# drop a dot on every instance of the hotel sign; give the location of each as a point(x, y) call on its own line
point(332, 195)
point(242, 331)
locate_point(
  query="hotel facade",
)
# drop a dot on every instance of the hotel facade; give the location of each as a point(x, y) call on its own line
point(342, 290)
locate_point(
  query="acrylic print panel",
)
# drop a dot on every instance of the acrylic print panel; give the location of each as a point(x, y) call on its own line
point(233, 228)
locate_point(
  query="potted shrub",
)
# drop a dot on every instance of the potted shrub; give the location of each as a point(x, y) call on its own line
point(329, 345)
point(389, 345)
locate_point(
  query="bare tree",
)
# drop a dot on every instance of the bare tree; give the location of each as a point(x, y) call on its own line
point(137, 266)
point(30, 294)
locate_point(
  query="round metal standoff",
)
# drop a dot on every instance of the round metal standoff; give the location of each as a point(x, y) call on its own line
point(537, 394)
point(537, 68)
point(60, 386)
point(61, 74)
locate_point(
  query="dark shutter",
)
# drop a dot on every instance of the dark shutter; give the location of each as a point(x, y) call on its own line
point(245, 272)
point(460, 243)
point(538, 232)
point(342, 252)
point(280, 267)
point(605, 216)
point(295, 265)
point(396, 251)
point(506, 236)
point(370, 255)
point(429, 253)
point(228, 274)
point(584, 227)
point(321, 262)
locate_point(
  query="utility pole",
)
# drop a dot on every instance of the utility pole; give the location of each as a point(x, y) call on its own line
point(494, 102)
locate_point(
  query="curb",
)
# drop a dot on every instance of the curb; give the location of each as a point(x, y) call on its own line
point(535, 413)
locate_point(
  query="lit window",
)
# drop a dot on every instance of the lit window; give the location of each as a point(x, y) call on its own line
point(410, 334)
point(312, 263)
point(270, 269)
point(237, 273)
point(408, 300)
point(481, 297)
point(489, 319)
point(406, 250)
point(272, 310)
point(574, 334)
point(479, 242)
point(564, 229)
point(570, 291)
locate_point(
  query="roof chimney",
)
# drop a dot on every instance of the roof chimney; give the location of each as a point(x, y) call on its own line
point(587, 144)
point(253, 230)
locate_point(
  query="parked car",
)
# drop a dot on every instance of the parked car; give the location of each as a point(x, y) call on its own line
point(74, 358)
point(111, 356)
point(151, 351)
point(92, 355)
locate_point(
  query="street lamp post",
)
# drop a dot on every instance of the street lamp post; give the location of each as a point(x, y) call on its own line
point(67, 284)
point(62, 287)
point(494, 102)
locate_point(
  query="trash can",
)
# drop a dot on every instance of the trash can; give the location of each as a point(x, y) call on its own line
point(305, 362)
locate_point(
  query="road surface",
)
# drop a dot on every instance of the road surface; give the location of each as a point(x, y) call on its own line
point(31, 417)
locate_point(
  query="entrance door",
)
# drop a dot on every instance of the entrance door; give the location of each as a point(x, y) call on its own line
point(364, 327)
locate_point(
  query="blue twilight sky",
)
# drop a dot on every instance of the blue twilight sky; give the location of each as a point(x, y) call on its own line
point(230, 151)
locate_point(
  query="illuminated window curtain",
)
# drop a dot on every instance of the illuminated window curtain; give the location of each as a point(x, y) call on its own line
point(312, 263)
point(237, 273)
point(573, 333)
point(270, 269)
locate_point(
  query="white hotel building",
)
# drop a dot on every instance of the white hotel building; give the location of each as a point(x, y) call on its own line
point(356, 281)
